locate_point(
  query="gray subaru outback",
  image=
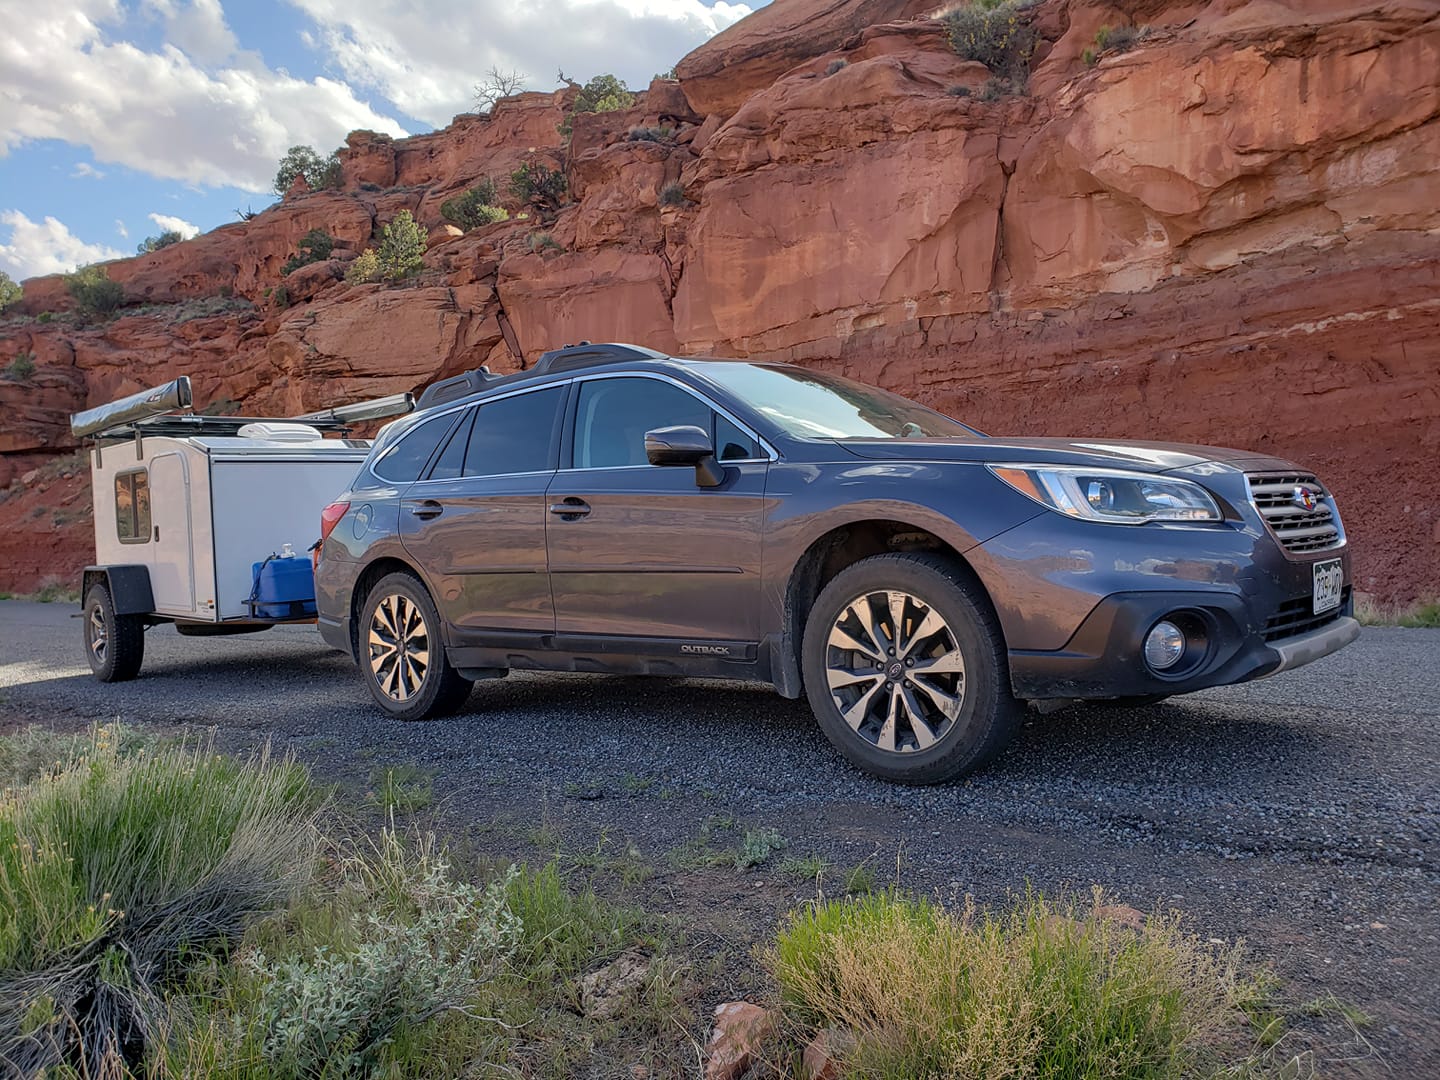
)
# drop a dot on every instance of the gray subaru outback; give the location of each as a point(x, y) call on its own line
point(615, 509)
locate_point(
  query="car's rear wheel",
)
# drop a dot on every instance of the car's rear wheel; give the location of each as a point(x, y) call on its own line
point(906, 671)
point(114, 644)
point(402, 655)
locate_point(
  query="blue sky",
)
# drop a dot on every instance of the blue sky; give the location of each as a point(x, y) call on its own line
point(122, 118)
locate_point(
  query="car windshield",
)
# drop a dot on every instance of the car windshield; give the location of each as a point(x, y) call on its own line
point(816, 405)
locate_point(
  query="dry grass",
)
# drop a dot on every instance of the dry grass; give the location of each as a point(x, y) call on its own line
point(1042, 990)
point(1421, 614)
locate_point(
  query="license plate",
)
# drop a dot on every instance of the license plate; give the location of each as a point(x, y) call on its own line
point(1329, 581)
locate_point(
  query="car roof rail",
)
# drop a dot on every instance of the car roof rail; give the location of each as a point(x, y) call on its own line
point(587, 355)
point(457, 386)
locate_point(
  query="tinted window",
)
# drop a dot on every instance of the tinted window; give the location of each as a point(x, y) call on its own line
point(814, 405)
point(514, 434)
point(451, 461)
point(403, 461)
point(732, 444)
point(614, 414)
point(132, 507)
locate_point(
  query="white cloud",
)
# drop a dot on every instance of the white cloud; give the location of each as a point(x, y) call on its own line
point(46, 247)
point(121, 229)
point(175, 224)
point(163, 113)
point(426, 55)
point(84, 169)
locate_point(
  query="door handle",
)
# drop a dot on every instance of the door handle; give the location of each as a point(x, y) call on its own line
point(427, 509)
point(570, 508)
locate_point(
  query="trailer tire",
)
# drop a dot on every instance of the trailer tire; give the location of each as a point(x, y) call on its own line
point(114, 644)
point(402, 656)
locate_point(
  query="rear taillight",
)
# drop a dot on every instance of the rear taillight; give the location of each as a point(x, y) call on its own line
point(330, 517)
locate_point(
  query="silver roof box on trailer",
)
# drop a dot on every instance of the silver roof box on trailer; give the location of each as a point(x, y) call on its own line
point(128, 410)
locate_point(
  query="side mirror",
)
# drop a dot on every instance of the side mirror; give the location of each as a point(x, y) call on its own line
point(682, 445)
point(685, 444)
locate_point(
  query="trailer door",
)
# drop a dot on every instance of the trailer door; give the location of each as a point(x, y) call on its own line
point(172, 563)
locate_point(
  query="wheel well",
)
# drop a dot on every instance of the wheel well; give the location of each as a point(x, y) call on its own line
point(363, 584)
point(844, 546)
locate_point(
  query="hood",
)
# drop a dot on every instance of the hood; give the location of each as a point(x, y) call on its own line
point(1087, 453)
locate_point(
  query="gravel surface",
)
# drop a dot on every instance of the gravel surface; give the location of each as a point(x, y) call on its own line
point(1301, 813)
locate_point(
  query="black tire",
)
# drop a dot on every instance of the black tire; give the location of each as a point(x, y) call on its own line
point(983, 715)
point(435, 689)
point(1139, 701)
point(114, 644)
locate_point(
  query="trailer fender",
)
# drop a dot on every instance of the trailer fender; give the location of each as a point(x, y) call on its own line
point(129, 587)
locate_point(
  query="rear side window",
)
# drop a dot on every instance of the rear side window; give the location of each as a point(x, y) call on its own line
point(514, 434)
point(402, 462)
point(614, 414)
point(132, 506)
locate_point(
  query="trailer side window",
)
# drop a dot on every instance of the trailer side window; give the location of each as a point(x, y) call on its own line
point(132, 507)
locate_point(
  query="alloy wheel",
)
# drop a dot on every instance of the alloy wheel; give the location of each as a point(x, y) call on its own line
point(97, 633)
point(399, 642)
point(895, 671)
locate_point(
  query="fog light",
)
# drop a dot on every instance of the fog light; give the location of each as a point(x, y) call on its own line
point(1164, 645)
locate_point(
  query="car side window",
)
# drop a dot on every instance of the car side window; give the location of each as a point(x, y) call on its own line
point(613, 415)
point(403, 461)
point(732, 443)
point(132, 506)
point(514, 434)
point(451, 462)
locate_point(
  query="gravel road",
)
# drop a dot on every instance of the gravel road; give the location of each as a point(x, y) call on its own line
point(1301, 813)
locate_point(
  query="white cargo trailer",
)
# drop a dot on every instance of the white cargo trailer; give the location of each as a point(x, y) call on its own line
point(186, 505)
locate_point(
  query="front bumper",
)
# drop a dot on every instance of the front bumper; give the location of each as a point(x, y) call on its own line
point(1104, 658)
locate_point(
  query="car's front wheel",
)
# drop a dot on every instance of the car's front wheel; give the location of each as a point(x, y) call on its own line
point(905, 668)
point(402, 654)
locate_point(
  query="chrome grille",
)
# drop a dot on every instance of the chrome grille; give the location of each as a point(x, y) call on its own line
point(1298, 529)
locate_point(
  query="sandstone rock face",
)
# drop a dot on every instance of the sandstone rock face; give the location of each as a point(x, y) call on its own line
point(750, 55)
point(1225, 235)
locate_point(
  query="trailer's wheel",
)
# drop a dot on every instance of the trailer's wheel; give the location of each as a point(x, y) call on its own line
point(114, 644)
point(402, 655)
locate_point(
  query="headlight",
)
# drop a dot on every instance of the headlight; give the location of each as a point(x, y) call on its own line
point(1122, 498)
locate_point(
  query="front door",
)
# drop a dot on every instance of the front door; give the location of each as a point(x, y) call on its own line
point(476, 521)
point(639, 550)
point(172, 563)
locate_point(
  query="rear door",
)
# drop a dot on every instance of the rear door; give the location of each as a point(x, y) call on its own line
point(476, 522)
point(638, 550)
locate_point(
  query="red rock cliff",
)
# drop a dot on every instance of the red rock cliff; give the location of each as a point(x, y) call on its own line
point(1229, 233)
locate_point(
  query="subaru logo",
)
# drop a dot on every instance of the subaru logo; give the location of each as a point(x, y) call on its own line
point(1304, 498)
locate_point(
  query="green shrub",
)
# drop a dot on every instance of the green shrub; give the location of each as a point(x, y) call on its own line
point(402, 247)
point(155, 243)
point(541, 242)
point(958, 90)
point(836, 65)
point(21, 368)
point(9, 291)
point(539, 186)
point(422, 944)
point(757, 846)
point(1043, 990)
point(997, 33)
point(1118, 38)
point(45, 317)
point(476, 207)
point(93, 290)
point(603, 93)
point(119, 873)
point(673, 194)
point(319, 173)
point(401, 787)
point(315, 246)
point(365, 268)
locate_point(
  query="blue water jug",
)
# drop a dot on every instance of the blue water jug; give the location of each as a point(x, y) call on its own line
point(283, 586)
